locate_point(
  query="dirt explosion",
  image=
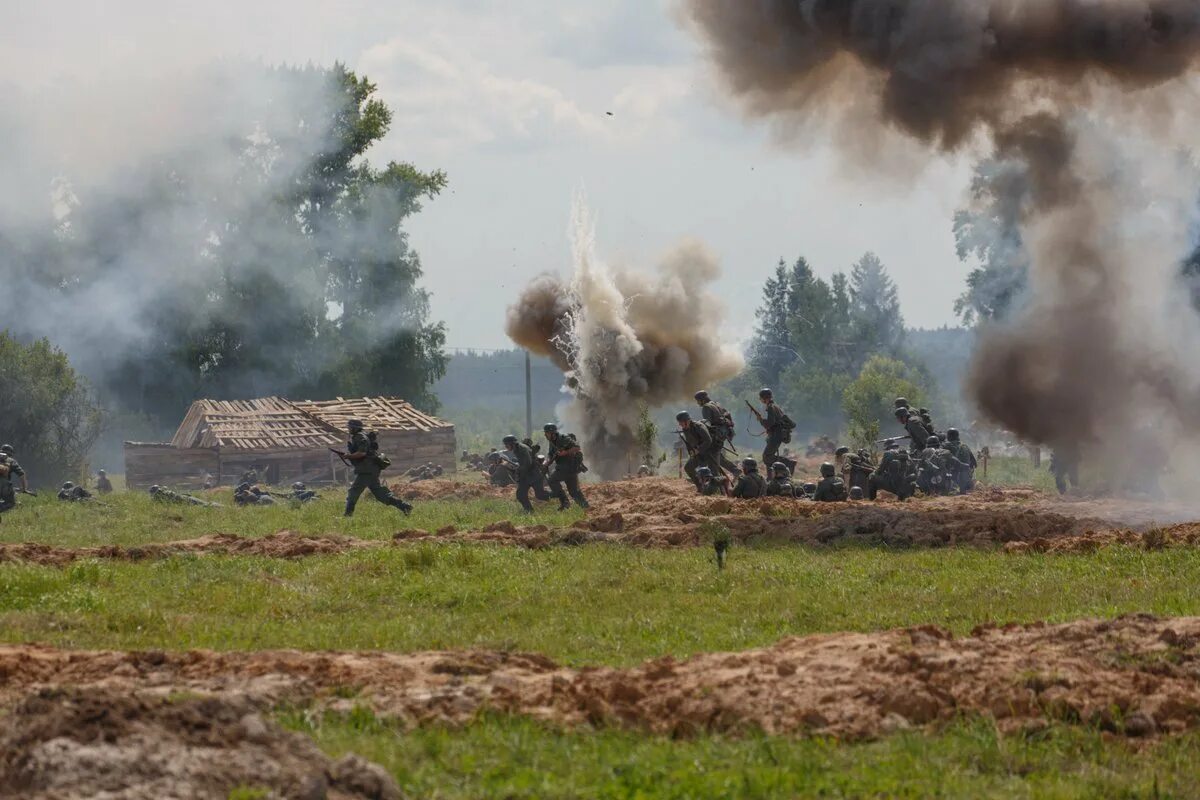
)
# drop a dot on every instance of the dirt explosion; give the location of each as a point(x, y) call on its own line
point(624, 339)
point(1090, 100)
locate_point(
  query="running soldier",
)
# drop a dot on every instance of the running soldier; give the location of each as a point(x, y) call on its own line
point(963, 476)
point(778, 427)
point(566, 463)
point(528, 473)
point(699, 443)
point(10, 469)
point(720, 425)
point(1064, 465)
point(368, 465)
point(103, 484)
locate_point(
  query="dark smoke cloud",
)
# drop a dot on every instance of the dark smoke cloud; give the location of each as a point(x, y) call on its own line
point(1086, 99)
point(625, 339)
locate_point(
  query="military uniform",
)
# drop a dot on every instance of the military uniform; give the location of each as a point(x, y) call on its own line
point(366, 477)
point(529, 476)
point(8, 491)
point(500, 473)
point(74, 494)
point(565, 470)
point(252, 496)
point(830, 490)
point(714, 487)
point(718, 426)
point(780, 487)
point(750, 485)
point(964, 475)
point(918, 432)
point(777, 433)
point(699, 442)
point(167, 496)
point(103, 484)
point(892, 475)
point(1064, 464)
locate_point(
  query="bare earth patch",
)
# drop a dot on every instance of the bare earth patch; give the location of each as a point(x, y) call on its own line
point(1137, 676)
point(96, 742)
point(283, 544)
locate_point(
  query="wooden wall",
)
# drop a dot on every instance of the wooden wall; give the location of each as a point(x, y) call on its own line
point(148, 464)
point(409, 448)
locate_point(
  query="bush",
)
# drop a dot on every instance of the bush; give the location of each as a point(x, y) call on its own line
point(868, 400)
point(46, 411)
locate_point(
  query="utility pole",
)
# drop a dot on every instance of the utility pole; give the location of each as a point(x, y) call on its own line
point(528, 398)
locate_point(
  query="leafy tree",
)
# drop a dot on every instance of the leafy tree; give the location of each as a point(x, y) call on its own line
point(48, 412)
point(868, 400)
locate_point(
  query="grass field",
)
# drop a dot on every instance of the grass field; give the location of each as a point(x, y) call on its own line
point(512, 757)
point(599, 603)
point(606, 605)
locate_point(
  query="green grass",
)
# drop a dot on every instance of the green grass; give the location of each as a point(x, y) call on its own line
point(520, 758)
point(133, 518)
point(595, 604)
point(1017, 471)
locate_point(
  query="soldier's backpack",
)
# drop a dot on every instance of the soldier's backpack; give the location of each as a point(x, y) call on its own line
point(373, 452)
point(726, 421)
point(788, 426)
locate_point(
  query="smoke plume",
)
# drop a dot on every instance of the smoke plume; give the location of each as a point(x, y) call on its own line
point(1090, 100)
point(624, 338)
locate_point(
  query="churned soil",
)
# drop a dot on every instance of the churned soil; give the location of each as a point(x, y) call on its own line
point(101, 742)
point(447, 489)
point(282, 544)
point(1137, 676)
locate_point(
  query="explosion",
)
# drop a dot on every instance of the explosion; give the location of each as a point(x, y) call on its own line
point(1090, 101)
point(624, 339)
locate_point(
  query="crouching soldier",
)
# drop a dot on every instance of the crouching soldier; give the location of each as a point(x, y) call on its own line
point(368, 465)
point(831, 488)
point(712, 485)
point(780, 484)
point(103, 484)
point(750, 484)
point(247, 495)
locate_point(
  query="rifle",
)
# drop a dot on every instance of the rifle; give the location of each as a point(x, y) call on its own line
point(891, 439)
point(757, 414)
point(342, 455)
point(29, 492)
point(682, 438)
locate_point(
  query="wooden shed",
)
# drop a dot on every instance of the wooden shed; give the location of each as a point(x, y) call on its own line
point(409, 437)
point(284, 441)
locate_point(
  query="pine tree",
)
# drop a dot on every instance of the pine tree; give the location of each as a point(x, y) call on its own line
point(876, 324)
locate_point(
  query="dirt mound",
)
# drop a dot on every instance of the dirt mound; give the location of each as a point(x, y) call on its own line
point(67, 743)
point(1136, 675)
point(283, 544)
point(1187, 534)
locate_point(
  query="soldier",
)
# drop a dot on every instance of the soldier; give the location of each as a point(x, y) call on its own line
point(500, 471)
point(250, 476)
point(913, 427)
point(936, 468)
point(210, 481)
point(247, 495)
point(927, 421)
point(749, 484)
point(167, 496)
point(566, 463)
point(73, 493)
point(645, 471)
point(840, 463)
point(699, 443)
point(103, 484)
point(858, 473)
point(856, 493)
point(964, 476)
point(807, 491)
point(302, 494)
point(831, 488)
point(367, 466)
point(778, 427)
point(1064, 464)
point(891, 474)
point(901, 402)
point(720, 425)
point(780, 484)
point(527, 473)
point(10, 469)
point(710, 484)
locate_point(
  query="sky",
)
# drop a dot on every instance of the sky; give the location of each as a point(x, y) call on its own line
point(526, 103)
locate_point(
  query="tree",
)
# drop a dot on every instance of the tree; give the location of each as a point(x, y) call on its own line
point(876, 325)
point(770, 351)
point(988, 231)
point(265, 255)
point(47, 411)
point(868, 400)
